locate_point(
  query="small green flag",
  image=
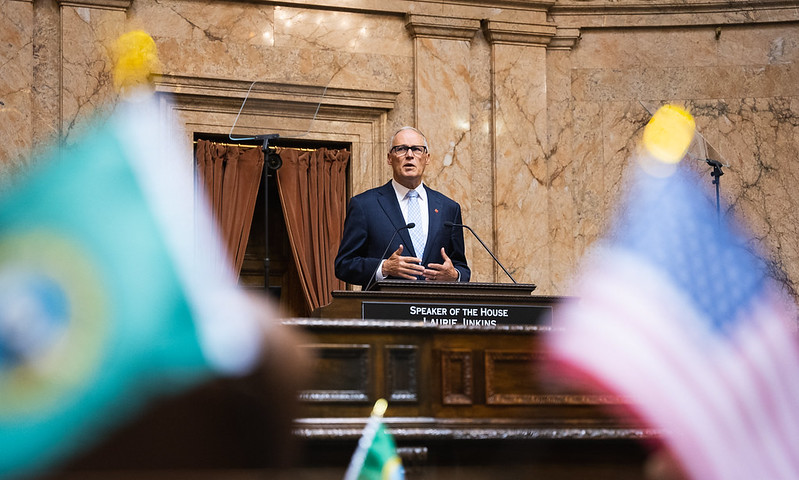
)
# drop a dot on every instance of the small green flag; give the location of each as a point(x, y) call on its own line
point(376, 456)
point(102, 304)
point(382, 461)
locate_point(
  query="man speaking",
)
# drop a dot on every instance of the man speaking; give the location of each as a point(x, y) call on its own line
point(405, 218)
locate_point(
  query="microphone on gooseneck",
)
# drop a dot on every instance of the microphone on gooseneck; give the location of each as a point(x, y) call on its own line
point(374, 276)
point(450, 224)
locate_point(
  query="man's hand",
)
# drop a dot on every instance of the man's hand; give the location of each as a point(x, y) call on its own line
point(445, 272)
point(403, 267)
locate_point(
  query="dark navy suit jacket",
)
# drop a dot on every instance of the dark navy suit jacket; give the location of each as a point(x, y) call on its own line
point(372, 219)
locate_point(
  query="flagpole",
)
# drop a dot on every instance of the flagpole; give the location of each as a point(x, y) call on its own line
point(367, 437)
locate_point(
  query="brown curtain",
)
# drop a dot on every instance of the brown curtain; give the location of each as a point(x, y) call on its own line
point(312, 186)
point(231, 176)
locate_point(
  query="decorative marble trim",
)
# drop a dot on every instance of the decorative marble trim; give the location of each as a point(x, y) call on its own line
point(442, 27)
point(518, 33)
point(232, 92)
point(526, 4)
point(564, 39)
point(637, 13)
point(121, 5)
point(422, 6)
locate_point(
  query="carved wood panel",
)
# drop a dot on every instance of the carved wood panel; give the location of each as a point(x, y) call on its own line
point(341, 373)
point(509, 379)
point(402, 372)
point(457, 377)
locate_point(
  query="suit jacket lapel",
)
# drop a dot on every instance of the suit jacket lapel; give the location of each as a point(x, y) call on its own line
point(388, 202)
point(435, 223)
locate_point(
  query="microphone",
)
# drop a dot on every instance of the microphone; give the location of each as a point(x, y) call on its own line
point(374, 276)
point(450, 224)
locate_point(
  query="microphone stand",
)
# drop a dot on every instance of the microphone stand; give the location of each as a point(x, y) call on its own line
point(265, 177)
point(716, 174)
point(450, 224)
point(382, 257)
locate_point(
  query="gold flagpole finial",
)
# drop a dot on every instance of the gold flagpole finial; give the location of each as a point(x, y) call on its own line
point(380, 408)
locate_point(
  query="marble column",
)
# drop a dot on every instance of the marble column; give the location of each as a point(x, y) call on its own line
point(519, 130)
point(563, 163)
point(443, 98)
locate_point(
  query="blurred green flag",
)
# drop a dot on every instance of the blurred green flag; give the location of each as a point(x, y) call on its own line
point(103, 303)
point(382, 461)
point(376, 457)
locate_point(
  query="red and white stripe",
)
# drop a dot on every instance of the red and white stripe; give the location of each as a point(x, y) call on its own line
point(727, 402)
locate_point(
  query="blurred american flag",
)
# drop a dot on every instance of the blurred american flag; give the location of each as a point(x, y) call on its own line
point(676, 314)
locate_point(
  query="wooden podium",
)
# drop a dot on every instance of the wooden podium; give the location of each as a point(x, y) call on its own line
point(463, 369)
point(462, 366)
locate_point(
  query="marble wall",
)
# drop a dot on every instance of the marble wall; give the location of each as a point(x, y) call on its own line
point(532, 107)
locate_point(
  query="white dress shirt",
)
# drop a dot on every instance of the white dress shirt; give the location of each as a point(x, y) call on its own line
point(401, 193)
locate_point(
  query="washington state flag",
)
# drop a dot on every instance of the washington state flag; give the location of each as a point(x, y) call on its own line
point(104, 300)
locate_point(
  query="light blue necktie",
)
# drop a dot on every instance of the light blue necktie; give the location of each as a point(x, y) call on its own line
point(418, 236)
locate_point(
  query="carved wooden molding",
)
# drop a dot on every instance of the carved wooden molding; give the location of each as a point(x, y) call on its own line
point(330, 432)
point(356, 324)
point(457, 377)
point(442, 27)
point(518, 33)
point(121, 5)
point(414, 428)
point(412, 456)
point(524, 362)
point(346, 373)
point(494, 358)
point(402, 373)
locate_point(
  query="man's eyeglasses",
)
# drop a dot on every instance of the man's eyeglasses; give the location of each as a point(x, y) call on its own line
point(417, 150)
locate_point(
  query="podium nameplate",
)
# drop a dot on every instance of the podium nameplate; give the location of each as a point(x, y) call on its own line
point(459, 314)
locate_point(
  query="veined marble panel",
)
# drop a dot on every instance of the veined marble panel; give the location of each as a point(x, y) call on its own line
point(758, 137)
point(480, 215)
point(443, 112)
point(742, 88)
point(520, 135)
point(563, 174)
point(87, 36)
point(278, 44)
point(16, 52)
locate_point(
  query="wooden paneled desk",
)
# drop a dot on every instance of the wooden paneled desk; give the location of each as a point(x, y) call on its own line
point(466, 399)
point(462, 367)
